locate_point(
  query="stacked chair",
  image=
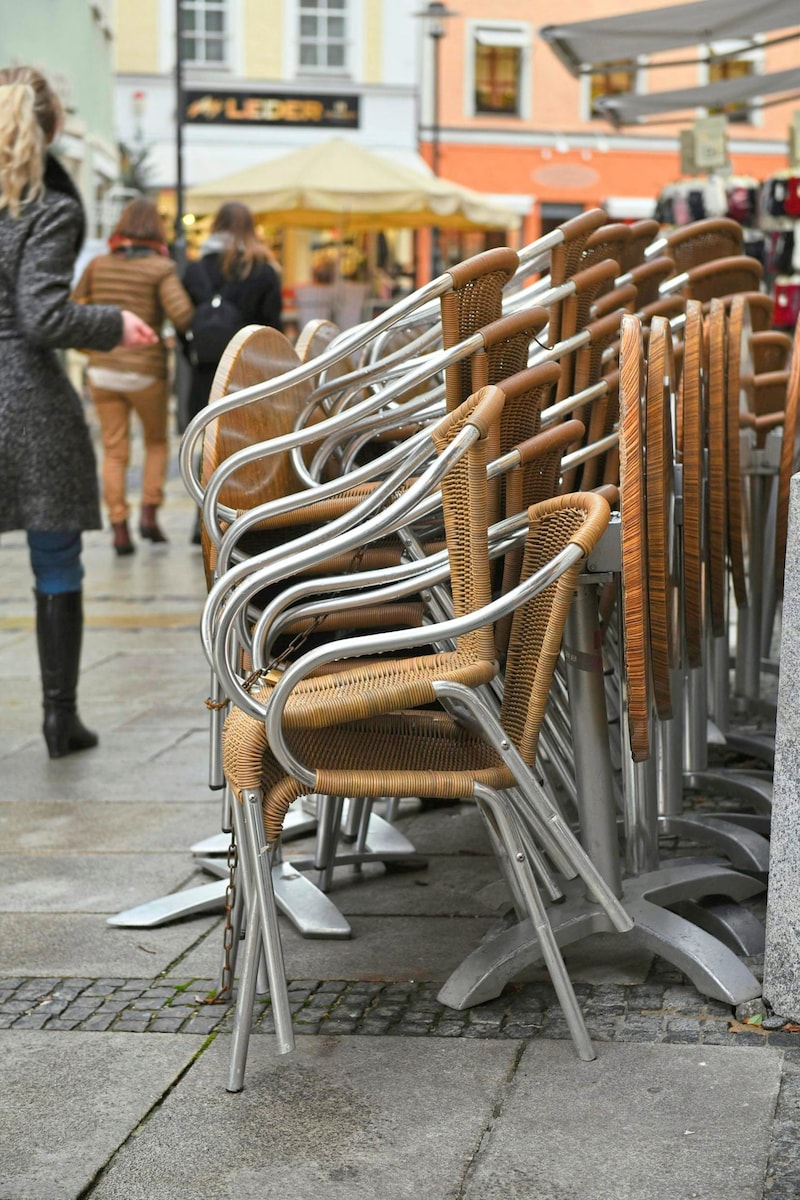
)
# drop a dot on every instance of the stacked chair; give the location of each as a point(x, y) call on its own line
point(402, 526)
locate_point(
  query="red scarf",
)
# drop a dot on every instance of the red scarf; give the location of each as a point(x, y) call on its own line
point(118, 241)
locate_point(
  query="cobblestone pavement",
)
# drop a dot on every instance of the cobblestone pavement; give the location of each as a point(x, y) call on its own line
point(666, 1008)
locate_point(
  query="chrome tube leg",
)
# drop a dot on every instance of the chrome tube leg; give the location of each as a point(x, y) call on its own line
point(720, 655)
point(329, 820)
point(752, 666)
point(261, 864)
point(245, 999)
point(593, 772)
point(669, 766)
point(695, 720)
point(216, 719)
point(769, 599)
point(549, 947)
point(640, 806)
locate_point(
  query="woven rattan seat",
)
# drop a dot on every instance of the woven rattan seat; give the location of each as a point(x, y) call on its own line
point(716, 375)
point(789, 460)
point(662, 568)
point(736, 400)
point(692, 421)
point(634, 600)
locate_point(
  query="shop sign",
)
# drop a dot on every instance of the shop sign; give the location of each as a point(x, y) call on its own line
point(247, 108)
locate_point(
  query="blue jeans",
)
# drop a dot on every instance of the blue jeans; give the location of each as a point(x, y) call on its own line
point(56, 561)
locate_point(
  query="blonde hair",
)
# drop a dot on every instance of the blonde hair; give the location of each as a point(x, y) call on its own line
point(30, 114)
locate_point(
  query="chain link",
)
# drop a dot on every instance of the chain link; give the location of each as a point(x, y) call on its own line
point(223, 992)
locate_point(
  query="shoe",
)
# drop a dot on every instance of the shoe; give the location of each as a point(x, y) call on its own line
point(59, 633)
point(149, 527)
point(122, 539)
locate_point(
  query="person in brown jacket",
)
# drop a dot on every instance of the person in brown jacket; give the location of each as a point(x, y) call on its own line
point(139, 274)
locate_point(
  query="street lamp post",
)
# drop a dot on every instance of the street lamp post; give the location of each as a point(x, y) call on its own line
point(179, 245)
point(434, 16)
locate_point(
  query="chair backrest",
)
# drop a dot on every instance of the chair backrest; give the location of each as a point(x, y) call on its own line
point(704, 241)
point(641, 234)
point(537, 626)
point(724, 277)
point(256, 353)
point(770, 349)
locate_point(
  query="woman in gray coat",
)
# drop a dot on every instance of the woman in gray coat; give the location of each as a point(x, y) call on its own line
point(48, 476)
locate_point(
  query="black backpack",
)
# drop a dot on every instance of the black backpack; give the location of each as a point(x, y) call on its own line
point(216, 319)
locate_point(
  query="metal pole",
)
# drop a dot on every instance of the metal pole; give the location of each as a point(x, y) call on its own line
point(179, 245)
point(436, 254)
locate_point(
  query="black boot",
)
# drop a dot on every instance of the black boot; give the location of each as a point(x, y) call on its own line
point(59, 632)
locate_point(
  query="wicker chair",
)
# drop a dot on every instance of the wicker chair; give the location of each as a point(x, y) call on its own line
point(368, 747)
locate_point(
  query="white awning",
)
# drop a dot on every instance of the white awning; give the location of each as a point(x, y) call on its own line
point(625, 37)
point(631, 108)
point(487, 36)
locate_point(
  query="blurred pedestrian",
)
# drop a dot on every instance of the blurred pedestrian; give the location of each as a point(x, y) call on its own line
point(234, 283)
point(48, 474)
point(137, 272)
point(236, 267)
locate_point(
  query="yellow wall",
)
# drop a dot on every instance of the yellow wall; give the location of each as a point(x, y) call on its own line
point(136, 37)
point(372, 45)
point(262, 39)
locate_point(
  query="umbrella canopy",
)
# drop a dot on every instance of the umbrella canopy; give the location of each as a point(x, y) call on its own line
point(339, 181)
point(630, 108)
point(624, 37)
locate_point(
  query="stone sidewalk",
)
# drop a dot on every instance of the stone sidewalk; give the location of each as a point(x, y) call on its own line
point(113, 1066)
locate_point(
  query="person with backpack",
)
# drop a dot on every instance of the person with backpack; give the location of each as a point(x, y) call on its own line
point(232, 284)
point(139, 273)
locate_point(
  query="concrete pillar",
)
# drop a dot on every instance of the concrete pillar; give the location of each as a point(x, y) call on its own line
point(782, 955)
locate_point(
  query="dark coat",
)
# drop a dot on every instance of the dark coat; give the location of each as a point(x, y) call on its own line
point(48, 474)
point(257, 297)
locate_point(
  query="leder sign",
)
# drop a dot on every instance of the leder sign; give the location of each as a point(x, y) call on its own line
point(247, 108)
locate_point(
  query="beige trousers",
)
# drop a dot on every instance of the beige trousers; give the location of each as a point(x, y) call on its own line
point(113, 412)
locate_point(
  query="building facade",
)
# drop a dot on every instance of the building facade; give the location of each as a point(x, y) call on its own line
point(60, 37)
point(510, 111)
point(476, 92)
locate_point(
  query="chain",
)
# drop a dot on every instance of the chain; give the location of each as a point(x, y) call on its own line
point(226, 982)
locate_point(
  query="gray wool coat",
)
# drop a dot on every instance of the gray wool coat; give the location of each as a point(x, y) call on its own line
point(48, 474)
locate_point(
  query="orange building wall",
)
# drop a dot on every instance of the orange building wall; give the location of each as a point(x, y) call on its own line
point(542, 160)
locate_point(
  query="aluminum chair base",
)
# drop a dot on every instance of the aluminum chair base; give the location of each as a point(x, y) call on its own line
point(712, 966)
point(304, 904)
point(310, 911)
point(745, 849)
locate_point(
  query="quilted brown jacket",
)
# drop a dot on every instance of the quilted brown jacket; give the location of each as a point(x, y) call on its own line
point(147, 284)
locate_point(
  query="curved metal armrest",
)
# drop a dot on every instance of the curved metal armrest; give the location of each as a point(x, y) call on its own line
point(315, 433)
point(350, 341)
point(391, 642)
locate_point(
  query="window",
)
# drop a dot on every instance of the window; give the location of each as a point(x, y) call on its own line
point(614, 80)
point(323, 35)
point(500, 54)
point(734, 66)
point(204, 32)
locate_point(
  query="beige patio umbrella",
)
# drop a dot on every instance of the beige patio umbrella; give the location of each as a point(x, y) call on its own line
point(340, 182)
